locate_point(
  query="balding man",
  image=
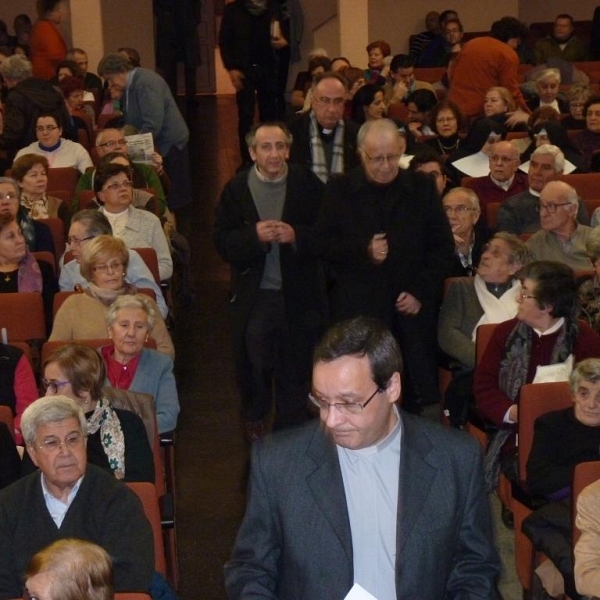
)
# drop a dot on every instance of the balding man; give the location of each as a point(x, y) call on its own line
point(323, 139)
point(503, 181)
point(389, 247)
point(520, 214)
point(110, 141)
point(461, 206)
point(561, 238)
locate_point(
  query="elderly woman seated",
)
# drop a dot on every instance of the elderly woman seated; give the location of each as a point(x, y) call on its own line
point(117, 439)
point(137, 228)
point(37, 235)
point(87, 225)
point(489, 297)
point(588, 139)
point(31, 172)
point(70, 569)
point(103, 264)
point(577, 96)
point(543, 338)
point(59, 151)
point(550, 466)
point(547, 87)
point(131, 366)
point(19, 270)
point(498, 102)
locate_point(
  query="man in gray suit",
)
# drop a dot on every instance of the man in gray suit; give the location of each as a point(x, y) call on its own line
point(373, 496)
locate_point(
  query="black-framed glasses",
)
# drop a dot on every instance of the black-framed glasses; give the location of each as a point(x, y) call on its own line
point(73, 241)
point(42, 128)
point(349, 408)
point(550, 207)
point(52, 386)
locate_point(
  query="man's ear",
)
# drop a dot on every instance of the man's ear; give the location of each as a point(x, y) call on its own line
point(394, 387)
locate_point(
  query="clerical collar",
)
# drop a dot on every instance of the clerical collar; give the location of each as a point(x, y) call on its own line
point(503, 184)
point(50, 148)
point(326, 133)
point(534, 193)
point(380, 446)
point(498, 289)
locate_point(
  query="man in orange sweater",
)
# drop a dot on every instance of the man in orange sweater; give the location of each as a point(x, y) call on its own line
point(485, 62)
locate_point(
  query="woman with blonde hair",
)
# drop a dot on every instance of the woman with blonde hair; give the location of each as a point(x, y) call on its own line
point(103, 265)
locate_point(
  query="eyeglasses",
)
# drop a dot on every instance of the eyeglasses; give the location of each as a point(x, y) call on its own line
point(525, 295)
point(113, 143)
point(8, 196)
point(550, 207)
point(380, 160)
point(114, 187)
point(501, 159)
point(54, 444)
point(42, 128)
point(445, 120)
point(347, 408)
point(329, 101)
point(52, 385)
point(461, 210)
point(108, 267)
point(73, 241)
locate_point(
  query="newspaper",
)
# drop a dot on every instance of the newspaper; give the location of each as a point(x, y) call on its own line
point(140, 147)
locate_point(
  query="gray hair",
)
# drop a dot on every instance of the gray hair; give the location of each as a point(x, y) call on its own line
point(16, 68)
point(94, 221)
point(549, 73)
point(113, 63)
point(251, 135)
point(131, 301)
point(14, 183)
point(586, 370)
point(566, 191)
point(473, 197)
point(552, 150)
point(50, 409)
point(518, 250)
point(592, 246)
point(378, 126)
point(102, 134)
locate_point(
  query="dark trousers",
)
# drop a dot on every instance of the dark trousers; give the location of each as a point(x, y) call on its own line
point(418, 342)
point(273, 364)
point(177, 166)
point(260, 85)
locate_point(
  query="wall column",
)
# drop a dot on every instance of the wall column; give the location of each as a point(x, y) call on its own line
point(353, 18)
point(87, 31)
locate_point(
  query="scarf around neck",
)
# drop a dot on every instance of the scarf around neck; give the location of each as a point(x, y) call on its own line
point(105, 419)
point(319, 159)
point(495, 310)
point(107, 297)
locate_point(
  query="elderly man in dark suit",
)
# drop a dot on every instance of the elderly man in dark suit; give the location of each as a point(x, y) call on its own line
point(370, 496)
point(388, 247)
point(263, 228)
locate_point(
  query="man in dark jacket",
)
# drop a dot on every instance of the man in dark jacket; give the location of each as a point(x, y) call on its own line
point(27, 98)
point(263, 229)
point(249, 36)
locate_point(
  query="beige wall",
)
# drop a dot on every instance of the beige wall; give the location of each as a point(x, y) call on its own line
point(581, 10)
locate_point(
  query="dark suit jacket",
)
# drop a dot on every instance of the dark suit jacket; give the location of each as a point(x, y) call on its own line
point(300, 151)
point(295, 541)
point(482, 237)
point(237, 242)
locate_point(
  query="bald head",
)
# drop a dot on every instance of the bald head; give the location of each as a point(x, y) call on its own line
point(504, 161)
point(558, 208)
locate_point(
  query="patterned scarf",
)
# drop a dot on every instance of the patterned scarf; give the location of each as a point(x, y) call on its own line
point(513, 375)
point(29, 275)
point(36, 209)
point(105, 419)
point(319, 159)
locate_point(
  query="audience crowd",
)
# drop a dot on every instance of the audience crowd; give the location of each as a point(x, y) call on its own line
point(448, 188)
